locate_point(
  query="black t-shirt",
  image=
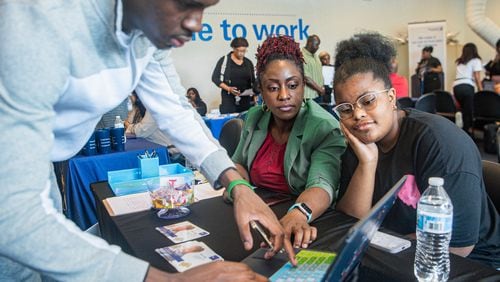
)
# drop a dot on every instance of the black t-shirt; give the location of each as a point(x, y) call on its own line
point(239, 76)
point(493, 68)
point(428, 146)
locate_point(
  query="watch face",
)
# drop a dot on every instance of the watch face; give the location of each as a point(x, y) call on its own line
point(306, 208)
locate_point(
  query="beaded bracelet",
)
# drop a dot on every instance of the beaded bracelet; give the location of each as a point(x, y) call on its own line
point(233, 183)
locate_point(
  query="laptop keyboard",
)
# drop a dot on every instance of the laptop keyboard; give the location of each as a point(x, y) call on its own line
point(312, 266)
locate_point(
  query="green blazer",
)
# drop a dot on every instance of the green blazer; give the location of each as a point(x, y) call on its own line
point(313, 150)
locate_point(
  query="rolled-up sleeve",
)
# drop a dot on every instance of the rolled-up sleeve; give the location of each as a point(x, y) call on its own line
point(178, 119)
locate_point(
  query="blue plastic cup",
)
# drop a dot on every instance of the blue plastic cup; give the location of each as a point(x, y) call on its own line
point(118, 139)
point(103, 141)
point(90, 148)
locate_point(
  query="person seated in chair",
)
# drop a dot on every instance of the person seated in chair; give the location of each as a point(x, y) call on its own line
point(140, 123)
point(386, 143)
point(194, 98)
point(289, 145)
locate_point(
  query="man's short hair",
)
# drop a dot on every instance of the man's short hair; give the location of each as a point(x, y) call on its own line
point(239, 42)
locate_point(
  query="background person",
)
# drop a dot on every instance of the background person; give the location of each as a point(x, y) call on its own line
point(194, 98)
point(50, 108)
point(328, 72)
point(493, 67)
point(140, 123)
point(312, 70)
point(287, 145)
point(138, 110)
point(399, 82)
point(386, 143)
point(234, 74)
point(469, 69)
point(428, 70)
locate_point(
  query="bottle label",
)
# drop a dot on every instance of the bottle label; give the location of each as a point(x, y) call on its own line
point(434, 222)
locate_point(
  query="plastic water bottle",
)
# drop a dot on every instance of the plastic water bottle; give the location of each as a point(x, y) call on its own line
point(458, 120)
point(118, 122)
point(434, 224)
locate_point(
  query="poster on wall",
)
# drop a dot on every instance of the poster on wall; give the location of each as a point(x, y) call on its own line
point(221, 24)
point(420, 35)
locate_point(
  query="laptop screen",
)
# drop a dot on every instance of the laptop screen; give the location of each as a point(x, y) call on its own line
point(360, 234)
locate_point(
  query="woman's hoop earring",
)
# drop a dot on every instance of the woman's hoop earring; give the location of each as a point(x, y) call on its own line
point(264, 107)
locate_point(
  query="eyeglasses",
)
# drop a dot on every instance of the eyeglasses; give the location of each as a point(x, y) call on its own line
point(367, 101)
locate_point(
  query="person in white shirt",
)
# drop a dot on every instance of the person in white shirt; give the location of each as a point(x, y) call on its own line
point(468, 75)
point(63, 64)
point(328, 72)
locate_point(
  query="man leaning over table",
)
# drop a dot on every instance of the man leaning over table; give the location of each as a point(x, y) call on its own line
point(62, 65)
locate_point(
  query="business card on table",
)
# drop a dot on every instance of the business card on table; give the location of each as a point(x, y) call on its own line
point(182, 231)
point(187, 255)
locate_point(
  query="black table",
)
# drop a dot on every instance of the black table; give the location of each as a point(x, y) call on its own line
point(135, 233)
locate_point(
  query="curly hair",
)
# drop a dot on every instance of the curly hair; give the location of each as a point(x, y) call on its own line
point(364, 53)
point(280, 47)
point(429, 49)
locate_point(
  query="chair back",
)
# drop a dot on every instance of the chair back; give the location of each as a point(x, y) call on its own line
point(405, 102)
point(487, 104)
point(486, 108)
point(416, 86)
point(230, 135)
point(491, 177)
point(445, 102)
point(243, 115)
point(426, 103)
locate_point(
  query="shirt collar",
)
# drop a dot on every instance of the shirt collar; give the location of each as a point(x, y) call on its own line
point(123, 38)
point(306, 52)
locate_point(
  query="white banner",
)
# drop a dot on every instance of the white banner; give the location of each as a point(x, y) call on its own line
point(425, 34)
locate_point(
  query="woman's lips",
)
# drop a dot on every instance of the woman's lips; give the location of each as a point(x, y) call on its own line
point(363, 126)
point(286, 108)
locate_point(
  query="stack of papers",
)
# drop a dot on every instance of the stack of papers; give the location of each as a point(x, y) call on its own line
point(128, 203)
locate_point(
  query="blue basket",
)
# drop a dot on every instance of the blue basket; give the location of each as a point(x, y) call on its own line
point(129, 181)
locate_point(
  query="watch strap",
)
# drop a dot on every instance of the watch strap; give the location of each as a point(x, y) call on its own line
point(303, 208)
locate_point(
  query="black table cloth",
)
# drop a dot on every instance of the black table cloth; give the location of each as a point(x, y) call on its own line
point(135, 233)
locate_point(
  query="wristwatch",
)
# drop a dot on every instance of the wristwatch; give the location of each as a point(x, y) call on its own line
point(303, 208)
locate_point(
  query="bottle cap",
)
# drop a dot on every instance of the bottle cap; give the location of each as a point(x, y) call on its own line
point(118, 117)
point(436, 181)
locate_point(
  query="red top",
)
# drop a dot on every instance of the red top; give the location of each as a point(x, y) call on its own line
point(268, 166)
point(399, 83)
